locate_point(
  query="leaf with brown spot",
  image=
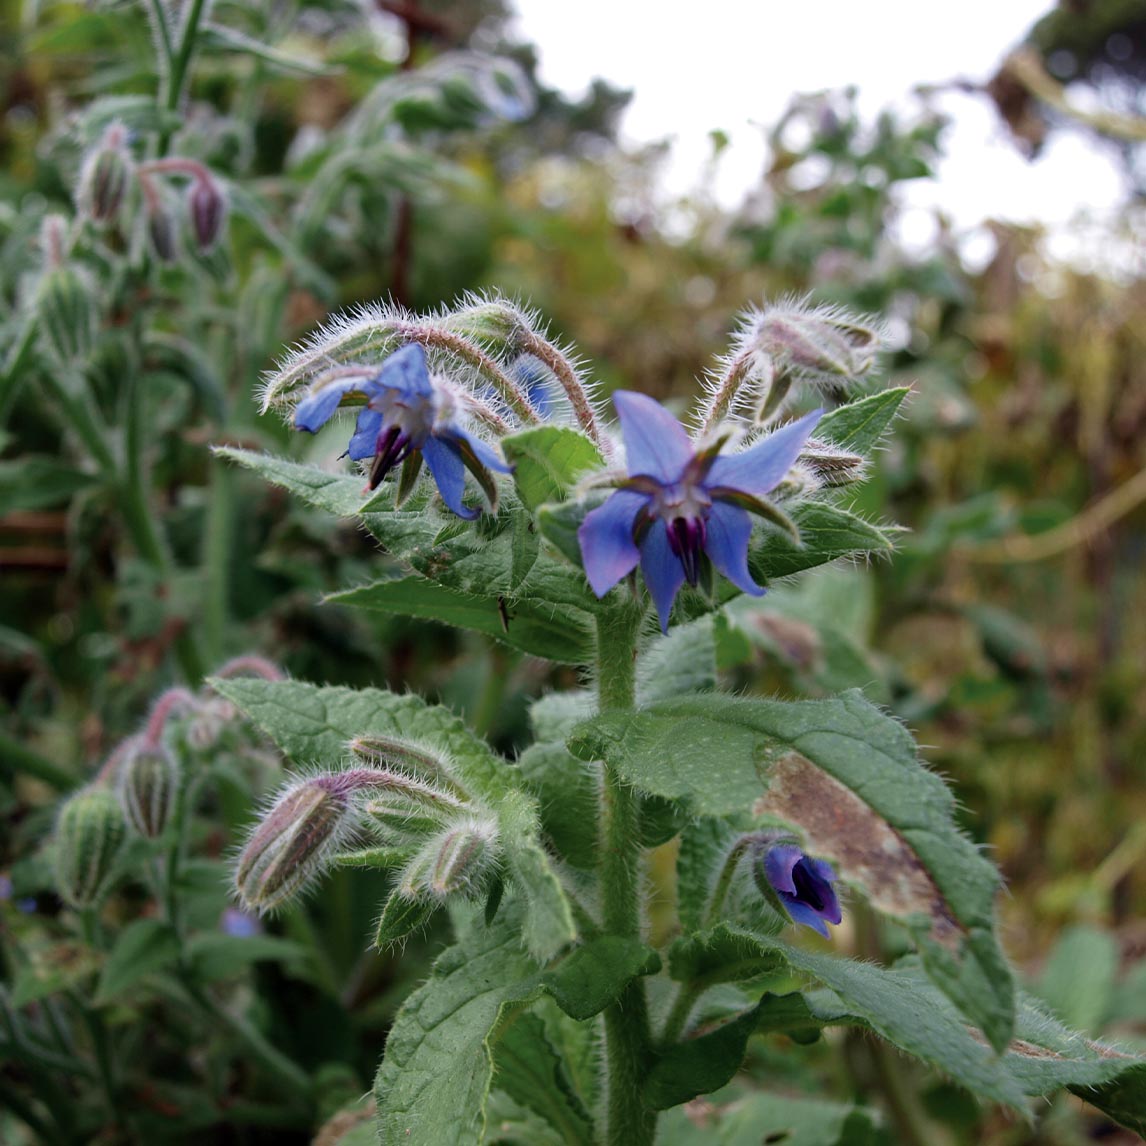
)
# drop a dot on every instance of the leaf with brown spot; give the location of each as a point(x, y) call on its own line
point(849, 776)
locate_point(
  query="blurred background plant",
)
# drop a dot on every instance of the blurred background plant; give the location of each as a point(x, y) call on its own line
point(185, 190)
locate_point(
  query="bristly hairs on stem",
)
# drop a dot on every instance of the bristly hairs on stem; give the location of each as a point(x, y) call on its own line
point(380, 330)
point(506, 325)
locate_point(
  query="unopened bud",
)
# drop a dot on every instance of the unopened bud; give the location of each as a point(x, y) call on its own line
point(421, 761)
point(408, 806)
point(291, 844)
point(831, 465)
point(106, 176)
point(459, 860)
point(162, 232)
point(89, 832)
point(148, 788)
point(68, 313)
point(822, 344)
point(207, 208)
point(493, 322)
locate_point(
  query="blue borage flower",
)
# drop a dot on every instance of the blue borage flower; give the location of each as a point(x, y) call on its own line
point(804, 886)
point(408, 418)
point(680, 506)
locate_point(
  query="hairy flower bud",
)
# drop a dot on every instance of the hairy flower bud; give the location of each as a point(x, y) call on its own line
point(162, 232)
point(824, 343)
point(293, 841)
point(89, 831)
point(207, 208)
point(148, 788)
point(420, 761)
point(459, 860)
point(68, 313)
point(106, 176)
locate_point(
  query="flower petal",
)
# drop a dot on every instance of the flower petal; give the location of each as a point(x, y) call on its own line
point(483, 452)
point(655, 442)
point(318, 407)
point(406, 371)
point(608, 551)
point(664, 574)
point(364, 441)
point(762, 467)
point(804, 913)
point(728, 528)
point(778, 865)
point(449, 472)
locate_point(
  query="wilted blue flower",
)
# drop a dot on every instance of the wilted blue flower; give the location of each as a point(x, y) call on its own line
point(680, 504)
point(407, 417)
point(804, 886)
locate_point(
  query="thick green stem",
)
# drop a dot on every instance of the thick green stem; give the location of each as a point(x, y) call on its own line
point(627, 1034)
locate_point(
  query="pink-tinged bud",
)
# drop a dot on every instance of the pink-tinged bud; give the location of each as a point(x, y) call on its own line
point(820, 344)
point(292, 843)
point(458, 861)
point(68, 313)
point(832, 466)
point(420, 761)
point(89, 832)
point(106, 176)
point(149, 782)
point(207, 208)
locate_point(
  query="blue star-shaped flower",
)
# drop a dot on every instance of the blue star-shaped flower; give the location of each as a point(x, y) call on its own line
point(804, 886)
point(680, 505)
point(407, 418)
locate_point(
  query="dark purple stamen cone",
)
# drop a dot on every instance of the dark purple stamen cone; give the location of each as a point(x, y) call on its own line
point(392, 448)
point(686, 539)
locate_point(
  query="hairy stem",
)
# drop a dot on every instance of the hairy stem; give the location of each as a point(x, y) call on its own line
point(627, 1035)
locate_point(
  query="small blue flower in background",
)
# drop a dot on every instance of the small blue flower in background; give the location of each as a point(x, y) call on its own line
point(804, 886)
point(239, 924)
point(679, 504)
point(407, 419)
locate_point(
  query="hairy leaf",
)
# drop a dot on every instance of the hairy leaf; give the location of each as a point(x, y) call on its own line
point(849, 778)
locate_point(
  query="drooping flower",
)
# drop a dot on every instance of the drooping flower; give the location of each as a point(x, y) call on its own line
point(408, 418)
point(680, 506)
point(804, 886)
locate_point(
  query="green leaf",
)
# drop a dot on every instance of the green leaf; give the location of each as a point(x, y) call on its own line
point(1078, 980)
point(849, 778)
point(547, 461)
point(216, 956)
point(548, 925)
point(435, 1075)
point(530, 1071)
point(312, 725)
point(567, 791)
point(39, 483)
point(681, 663)
point(142, 947)
point(493, 573)
point(722, 955)
point(528, 627)
point(401, 917)
point(778, 1118)
point(700, 1065)
point(827, 532)
point(858, 426)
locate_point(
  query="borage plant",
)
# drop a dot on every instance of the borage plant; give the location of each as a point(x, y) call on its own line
point(554, 1017)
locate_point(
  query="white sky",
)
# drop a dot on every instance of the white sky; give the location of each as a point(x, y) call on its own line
point(733, 64)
